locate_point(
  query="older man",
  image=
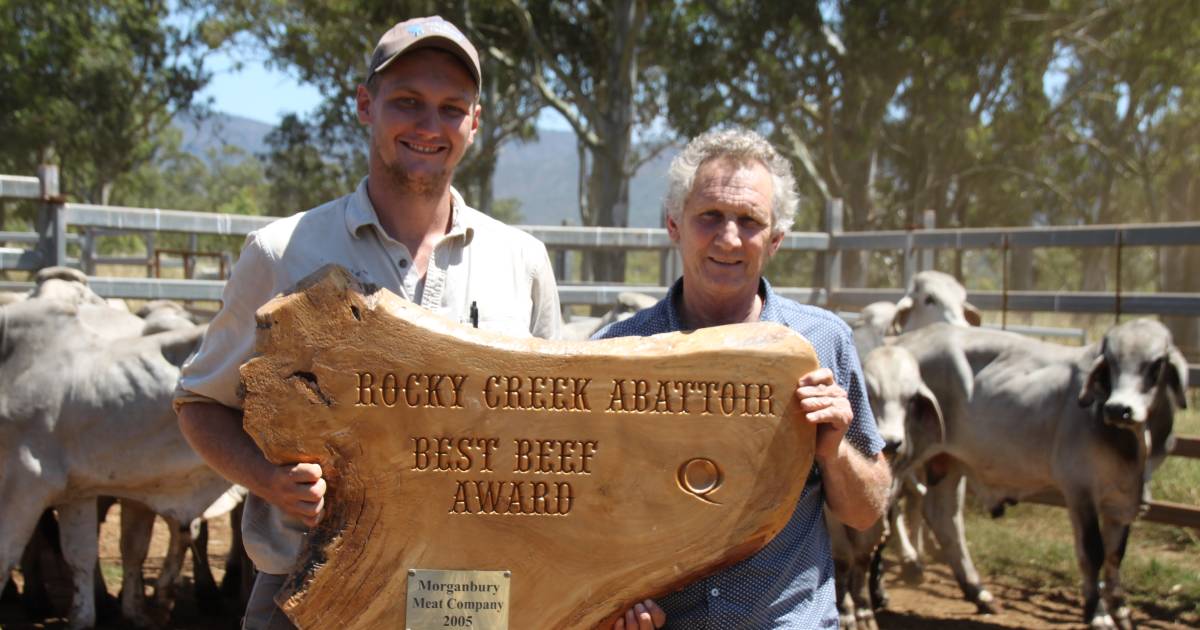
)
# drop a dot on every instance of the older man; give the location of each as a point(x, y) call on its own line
point(731, 199)
point(404, 228)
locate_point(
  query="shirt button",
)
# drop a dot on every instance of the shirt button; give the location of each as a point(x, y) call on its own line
point(403, 264)
point(716, 592)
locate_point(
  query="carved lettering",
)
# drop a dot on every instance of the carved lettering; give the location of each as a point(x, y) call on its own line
point(558, 393)
point(513, 497)
point(663, 396)
point(453, 454)
point(366, 394)
point(553, 456)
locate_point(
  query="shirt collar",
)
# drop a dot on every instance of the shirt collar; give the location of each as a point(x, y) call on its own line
point(360, 214)
point(770, 306)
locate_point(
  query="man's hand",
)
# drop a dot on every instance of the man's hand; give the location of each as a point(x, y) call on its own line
point(825, 404)
point(298, 490)
point(644, 616)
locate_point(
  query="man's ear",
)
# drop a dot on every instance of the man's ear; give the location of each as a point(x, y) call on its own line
point(672, 228)
point(362, 103)
point(776, 242)
point(476, 116)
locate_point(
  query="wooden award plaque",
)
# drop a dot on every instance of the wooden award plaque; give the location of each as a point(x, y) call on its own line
point(581, 477)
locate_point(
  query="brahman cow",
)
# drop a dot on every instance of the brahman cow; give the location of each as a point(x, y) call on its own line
point(85, 411)
point(907, 415)
point(628, 303)
point(1025, 416)
point(932, 296)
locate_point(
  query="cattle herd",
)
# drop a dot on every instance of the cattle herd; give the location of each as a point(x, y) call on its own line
point(85, 413)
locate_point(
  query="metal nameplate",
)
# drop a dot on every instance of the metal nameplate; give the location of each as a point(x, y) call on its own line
point(441, 600)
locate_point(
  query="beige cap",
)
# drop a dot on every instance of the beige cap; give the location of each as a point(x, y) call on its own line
point(424, 32)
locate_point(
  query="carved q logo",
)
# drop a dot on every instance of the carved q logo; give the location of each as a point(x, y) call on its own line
point(700, 477)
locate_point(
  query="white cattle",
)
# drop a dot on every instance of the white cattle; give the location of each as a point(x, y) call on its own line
point(85, 411)
point(907, 416)
point(1025, 417)
point(932, 296)
point(628, 303)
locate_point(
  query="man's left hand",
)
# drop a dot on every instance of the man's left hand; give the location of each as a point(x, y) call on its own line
point(825, 404)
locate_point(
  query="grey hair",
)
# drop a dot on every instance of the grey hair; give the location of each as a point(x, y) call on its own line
point(741, 145)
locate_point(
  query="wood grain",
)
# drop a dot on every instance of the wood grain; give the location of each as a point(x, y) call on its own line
point(631, 413)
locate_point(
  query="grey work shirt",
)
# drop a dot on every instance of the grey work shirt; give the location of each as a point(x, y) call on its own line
point(504, 271)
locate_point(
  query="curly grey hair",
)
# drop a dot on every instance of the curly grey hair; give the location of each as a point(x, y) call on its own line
point(738, 144)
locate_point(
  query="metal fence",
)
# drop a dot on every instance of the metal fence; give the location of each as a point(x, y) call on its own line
point(49, 246)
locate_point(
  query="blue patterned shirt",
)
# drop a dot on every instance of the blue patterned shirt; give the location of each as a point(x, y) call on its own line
point(788, 583)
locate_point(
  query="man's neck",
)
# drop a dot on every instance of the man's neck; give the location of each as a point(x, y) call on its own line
point(699, 311)
point(411, 219)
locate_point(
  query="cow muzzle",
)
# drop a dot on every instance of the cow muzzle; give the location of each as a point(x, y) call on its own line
point(1119, 415)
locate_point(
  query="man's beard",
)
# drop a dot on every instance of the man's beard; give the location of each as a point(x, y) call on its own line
point(427, 185)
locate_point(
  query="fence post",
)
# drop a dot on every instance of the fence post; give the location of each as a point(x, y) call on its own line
point(87, 253)
point(52, 230)
point(833, 258)
point(928, 258)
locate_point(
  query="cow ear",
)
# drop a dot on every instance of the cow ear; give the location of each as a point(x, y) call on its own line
point(972, 314)
point(177, 345)
point(1177, 377)
point(903, 309)
point(929, 413)
point(1097, 375)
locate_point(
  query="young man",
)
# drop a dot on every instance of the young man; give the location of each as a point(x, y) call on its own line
point(405, 229)
point(730, 200)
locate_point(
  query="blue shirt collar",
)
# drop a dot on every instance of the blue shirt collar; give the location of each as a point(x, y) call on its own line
point(770, 306)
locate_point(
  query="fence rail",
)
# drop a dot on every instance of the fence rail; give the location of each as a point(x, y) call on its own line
point(51, 240)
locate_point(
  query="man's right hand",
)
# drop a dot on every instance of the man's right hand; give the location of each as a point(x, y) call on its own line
point(298, 490)
point(644, 616)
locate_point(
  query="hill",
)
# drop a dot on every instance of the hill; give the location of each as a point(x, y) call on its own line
point(541, 174)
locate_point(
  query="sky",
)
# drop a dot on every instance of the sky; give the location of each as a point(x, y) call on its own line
point(267, 95)
point(254, 91)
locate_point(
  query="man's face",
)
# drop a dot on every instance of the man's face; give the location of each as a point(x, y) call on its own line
point(724, 231)
point(423, 116)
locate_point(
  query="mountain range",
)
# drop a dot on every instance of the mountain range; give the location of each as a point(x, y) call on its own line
point(541, 174)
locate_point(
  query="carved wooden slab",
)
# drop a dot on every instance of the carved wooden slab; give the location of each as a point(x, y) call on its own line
point(594, 473)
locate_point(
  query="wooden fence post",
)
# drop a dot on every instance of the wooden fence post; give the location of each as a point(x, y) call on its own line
point(53, 224)
point(928, 255)
point(833, 258)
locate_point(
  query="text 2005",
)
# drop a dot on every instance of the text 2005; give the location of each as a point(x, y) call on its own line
point(456, 621)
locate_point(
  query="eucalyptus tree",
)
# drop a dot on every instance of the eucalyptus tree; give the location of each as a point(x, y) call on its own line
point(882, 104)
point(90, 86)
point(599, 65)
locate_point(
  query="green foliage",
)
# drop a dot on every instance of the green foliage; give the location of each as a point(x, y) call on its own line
point(89, 86)
point(228, 182)
point(508, 210)
point(306, 168)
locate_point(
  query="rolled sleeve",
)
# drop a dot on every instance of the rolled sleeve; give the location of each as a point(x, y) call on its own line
point(212, 373)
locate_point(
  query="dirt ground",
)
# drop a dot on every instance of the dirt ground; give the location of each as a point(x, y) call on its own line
point(934, 605)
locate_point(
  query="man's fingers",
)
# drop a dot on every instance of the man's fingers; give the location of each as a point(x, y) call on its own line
point(820, 376)
point(657, 614)
point(619, 624)
point(305, 473)
point(630, 620)
point(811, 391)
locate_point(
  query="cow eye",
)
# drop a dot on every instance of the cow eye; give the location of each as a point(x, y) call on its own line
point(929, 300)
point(1154, 372)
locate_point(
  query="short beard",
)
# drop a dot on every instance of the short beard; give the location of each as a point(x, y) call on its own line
point(424, 186)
